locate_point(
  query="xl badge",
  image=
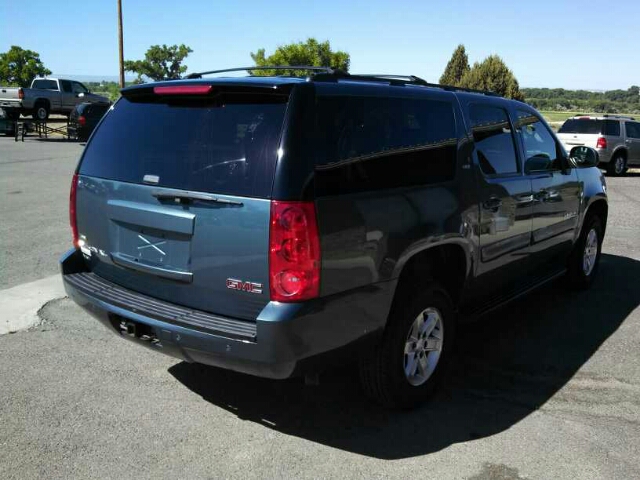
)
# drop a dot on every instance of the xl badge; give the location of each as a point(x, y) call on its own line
point(251, 287)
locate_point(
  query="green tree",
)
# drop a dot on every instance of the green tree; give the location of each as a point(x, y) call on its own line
point(492, 74)
point(456, 68)
point(19, 67)
point(160, 62)
point(311, 53)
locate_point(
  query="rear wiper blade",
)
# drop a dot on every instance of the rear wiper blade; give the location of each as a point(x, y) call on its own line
point(191, 196)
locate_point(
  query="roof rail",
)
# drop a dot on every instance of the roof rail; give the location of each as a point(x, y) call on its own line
point(275, 67)
point(324, 74)
point(396, 80)
point(607, 115)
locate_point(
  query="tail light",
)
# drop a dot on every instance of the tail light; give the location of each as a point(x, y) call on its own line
point(82, 121)
point(20, 93)
point(72, 210)
point(183, 90)
point(602, 143)
point(294, 252)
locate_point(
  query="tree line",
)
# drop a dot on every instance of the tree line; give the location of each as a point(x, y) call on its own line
point(612, 101)
point(161, 62)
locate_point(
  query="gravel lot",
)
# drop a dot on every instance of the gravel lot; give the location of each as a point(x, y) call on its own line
point(548, 387)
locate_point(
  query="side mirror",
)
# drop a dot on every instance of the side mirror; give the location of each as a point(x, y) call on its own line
point(585, 157)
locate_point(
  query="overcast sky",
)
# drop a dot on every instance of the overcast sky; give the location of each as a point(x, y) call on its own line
point(547, 43)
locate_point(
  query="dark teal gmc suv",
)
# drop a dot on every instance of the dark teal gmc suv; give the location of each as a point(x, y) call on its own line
point(278, 225)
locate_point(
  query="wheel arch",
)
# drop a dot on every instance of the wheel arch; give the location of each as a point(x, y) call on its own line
point(448, 263)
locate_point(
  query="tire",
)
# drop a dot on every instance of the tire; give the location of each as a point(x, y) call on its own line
point(382, 369)
point(617, 166)
point(581, 272)
point(41, 111)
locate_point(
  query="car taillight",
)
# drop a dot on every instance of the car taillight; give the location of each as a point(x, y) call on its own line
point(82, 121)
point(602, 143)
point(72, 210)
point(20, 93)
point(294, 252)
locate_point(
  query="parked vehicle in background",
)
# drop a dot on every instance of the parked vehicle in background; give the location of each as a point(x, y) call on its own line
point(278, 225)
point(616, 138)
point(84, 118)
point(7, 125)
point(46, 96)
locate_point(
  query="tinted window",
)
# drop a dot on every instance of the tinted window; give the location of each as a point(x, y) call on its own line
point(633, 129)
point(77, 87)
point(579, 125)
point(224, 145)
point(97, 110)
point(65, 86)
point(540, 148)
point(367, 143)
point(493, 140)
point(612, 128)
point(45, 84)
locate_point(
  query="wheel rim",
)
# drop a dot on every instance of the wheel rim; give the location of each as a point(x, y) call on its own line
point(590, 252)
point(619, 165)
point(423, 346)
point(42, 113)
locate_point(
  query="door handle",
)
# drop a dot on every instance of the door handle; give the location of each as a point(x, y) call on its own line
point(493, 204)
point(627, 141)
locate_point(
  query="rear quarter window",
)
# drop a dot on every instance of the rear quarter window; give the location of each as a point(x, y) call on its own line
point(226, 145)
point(368, 143)
point(612, 128)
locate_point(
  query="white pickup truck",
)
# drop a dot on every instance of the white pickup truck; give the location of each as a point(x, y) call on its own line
point(46, 95)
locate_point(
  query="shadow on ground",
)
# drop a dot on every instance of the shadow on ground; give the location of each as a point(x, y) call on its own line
point(508, 365)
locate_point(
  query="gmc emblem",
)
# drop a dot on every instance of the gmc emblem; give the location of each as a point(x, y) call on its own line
point(250, 287)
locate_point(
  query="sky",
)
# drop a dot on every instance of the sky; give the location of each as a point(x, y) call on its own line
point(570, 44)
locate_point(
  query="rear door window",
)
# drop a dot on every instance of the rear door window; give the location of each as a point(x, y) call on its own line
point(633, 129)
point(582, 126)
point(367, 143)
point(493, 139)
point(227, 144)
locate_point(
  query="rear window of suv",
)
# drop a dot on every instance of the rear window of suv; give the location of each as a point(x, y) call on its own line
point(225, 145)
point(582, 126)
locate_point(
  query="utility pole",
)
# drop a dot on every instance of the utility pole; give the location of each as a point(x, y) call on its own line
point(121, 52)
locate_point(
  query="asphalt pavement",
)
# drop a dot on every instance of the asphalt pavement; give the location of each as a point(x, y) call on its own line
point(548, 387)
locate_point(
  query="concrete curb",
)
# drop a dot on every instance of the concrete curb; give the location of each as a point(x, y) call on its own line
point(19, 305)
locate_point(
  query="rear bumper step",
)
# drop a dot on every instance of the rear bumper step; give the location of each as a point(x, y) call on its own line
point(101, 289)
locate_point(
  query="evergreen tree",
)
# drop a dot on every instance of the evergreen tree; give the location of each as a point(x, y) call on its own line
point(456, 68)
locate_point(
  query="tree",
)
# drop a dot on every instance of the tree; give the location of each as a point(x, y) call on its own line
point(311, 52)
point(492, 74)
point(160, 62)
point(19, 67)
point(456, 68)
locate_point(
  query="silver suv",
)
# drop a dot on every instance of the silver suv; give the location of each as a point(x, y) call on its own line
point(616, 138)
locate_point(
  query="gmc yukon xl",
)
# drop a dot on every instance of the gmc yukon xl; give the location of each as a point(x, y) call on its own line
point(278, 225)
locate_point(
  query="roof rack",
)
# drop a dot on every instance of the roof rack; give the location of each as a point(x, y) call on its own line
point(249, 69)
point(325, 74)
point(612, 115)
point(395, 80)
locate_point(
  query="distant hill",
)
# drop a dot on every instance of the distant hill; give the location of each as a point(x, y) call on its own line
point(559, 99)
